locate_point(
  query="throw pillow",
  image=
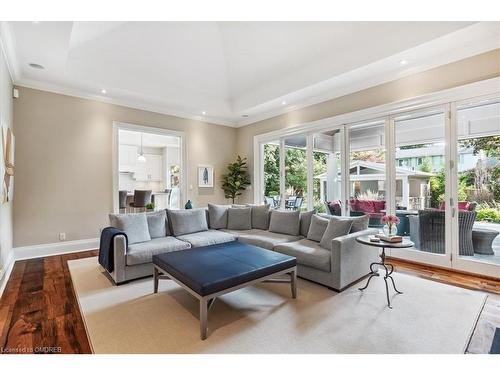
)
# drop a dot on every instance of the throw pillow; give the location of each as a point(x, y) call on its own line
point(239, 218)
point(317, 228)
point(305, 222)
point(260, 216)
point(336, 228)
point(285, 222)
point(134, 225)
point(187, 221)
point(157, 223)
point(359, 223)
point(218, 215)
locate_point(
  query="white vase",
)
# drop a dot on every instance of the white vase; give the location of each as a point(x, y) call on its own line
point(390, 231)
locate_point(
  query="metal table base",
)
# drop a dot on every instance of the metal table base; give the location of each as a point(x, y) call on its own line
point(387, 275)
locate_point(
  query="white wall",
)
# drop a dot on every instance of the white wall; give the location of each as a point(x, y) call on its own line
point(6, 208)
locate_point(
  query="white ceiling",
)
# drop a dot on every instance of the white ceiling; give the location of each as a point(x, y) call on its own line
point(231, 69)
point(133, 138)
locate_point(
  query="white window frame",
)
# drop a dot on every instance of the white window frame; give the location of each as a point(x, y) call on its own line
point(448, 100)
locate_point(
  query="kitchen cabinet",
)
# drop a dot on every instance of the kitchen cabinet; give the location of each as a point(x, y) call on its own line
point(127, 158)
point(150, 170)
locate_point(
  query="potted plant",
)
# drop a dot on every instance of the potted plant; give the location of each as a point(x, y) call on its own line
point(236, 179)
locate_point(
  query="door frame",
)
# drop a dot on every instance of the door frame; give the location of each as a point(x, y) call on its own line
point(118, 125)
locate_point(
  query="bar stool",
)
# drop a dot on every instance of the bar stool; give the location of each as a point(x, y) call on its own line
point(141, 199)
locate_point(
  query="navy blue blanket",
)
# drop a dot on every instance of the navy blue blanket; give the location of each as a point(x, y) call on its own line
point(106, 247)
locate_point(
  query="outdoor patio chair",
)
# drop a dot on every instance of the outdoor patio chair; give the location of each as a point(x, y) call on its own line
point(427, 231)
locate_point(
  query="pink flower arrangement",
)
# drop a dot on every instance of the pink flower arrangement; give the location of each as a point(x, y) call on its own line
point(390, 219)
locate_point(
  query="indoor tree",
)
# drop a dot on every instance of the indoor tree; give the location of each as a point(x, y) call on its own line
point(236, 179)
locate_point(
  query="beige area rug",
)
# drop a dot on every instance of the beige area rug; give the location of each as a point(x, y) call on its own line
point(428, 318)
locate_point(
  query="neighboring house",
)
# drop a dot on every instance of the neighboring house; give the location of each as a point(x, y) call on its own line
point(414, 157)
point(412, 186)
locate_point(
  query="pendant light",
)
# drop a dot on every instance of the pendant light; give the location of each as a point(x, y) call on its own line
point(141, 157)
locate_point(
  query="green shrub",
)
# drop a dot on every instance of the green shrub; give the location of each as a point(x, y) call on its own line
point(488, 214)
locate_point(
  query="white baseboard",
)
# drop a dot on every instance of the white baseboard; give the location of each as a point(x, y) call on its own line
point(38, 251)
point(5, 273)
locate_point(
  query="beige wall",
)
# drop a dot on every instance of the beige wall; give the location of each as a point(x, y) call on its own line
point(64, 162)
point(5, 208)
point(459, 73)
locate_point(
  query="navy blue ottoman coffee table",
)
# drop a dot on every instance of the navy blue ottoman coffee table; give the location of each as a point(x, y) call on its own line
point(211, 271)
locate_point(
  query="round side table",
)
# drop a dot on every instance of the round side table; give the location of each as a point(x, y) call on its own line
point(392, 245)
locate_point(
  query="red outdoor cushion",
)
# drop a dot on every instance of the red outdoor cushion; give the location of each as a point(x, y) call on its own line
point(366, 206)
point(379, 205)
point(463, 206)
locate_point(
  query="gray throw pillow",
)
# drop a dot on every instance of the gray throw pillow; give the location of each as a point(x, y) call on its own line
point(239, 218)
point(359, 223)
point(336, 228)
point(157, 223)
point(317, 228)
point(285, 222)
point(260, 216)
point(218, 215)
point(305, 222)
point(135, 226)
point(187, 221)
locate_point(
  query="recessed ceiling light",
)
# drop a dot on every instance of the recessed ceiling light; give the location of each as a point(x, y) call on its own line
point(36, 66)
point(203, 113)
point(283, 102)
point(103, 91)
point(403, 62)
point(36, 22)
point(244, 116)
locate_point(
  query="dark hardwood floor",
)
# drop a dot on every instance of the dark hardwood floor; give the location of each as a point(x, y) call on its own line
point(39, 311)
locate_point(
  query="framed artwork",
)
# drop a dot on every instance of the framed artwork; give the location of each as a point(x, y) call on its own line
point(205, 176)
point(7, 164)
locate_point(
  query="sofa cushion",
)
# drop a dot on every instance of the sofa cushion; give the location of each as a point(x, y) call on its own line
point(218, 215)
point(187, 221)
point(140, 253)
point(285, 222)
point(305, 222)
point(260, 216)
point(239, 218)
point(336, 228)
point(359, 223)
point(240, 233)
point(266, 239)
point(317, 228)
point(206, 238)
point(134, 225)
point(308, 253)
point(157, 223)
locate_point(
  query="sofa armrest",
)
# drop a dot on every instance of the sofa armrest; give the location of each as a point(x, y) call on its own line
point(120, 258)
point(351, 259)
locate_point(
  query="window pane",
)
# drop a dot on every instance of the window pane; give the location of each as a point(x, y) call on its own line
point(479, 182)
point(327, 172)
point(271, 165)
point(367, 188)
point(420, 180)
point(295, 173)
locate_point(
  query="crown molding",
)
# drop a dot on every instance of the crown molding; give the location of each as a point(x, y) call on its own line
point(8, 48)
point(130, 103)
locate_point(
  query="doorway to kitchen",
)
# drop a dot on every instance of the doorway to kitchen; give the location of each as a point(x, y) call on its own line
point(148, 168)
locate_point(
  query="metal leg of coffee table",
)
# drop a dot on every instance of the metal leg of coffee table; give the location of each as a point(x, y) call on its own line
point(203, 318)
point(372, 273)
point(293, 283)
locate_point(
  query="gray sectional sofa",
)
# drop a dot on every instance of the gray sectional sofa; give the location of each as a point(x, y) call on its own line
point(325, 246)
